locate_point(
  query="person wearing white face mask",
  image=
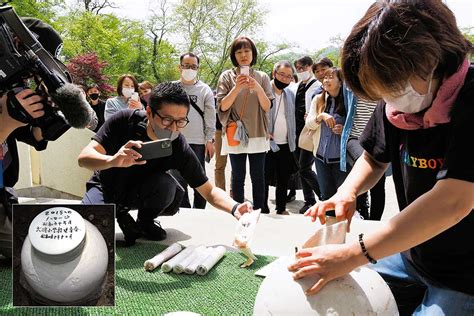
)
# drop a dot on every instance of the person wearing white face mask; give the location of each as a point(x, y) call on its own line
point(200, 131)
point(121, 178)
point(412, 56)
point(304, 93)
point(127, 90)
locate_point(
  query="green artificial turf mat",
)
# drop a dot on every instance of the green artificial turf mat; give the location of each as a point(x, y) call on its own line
point(226, 290)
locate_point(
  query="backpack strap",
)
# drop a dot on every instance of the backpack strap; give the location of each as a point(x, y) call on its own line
point(308, 85)
point(137, 124)
point(197, 108)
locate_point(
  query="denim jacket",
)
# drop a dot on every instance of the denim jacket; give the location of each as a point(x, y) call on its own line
point(350, 100)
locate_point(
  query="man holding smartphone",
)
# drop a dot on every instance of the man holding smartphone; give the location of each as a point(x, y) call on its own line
point(122, 179)
point(200, 131)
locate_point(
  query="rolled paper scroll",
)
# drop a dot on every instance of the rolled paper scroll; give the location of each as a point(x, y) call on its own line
point(201, 257)
point(179, 268)
point(157, 260)
point(170, 264)
point(216, 254)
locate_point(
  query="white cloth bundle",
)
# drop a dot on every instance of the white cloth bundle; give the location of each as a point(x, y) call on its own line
point(216, 254)
point(170, 264)
point(169, 252)
point(199, 259)
point(245, 229)
point(180, 266)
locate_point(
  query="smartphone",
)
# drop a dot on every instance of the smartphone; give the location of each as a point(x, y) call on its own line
point(134, 96)
point(245, 70)
point(155, 149)
point(207, 158)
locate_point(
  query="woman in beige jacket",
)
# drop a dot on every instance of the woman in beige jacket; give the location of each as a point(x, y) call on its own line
point(326, 119)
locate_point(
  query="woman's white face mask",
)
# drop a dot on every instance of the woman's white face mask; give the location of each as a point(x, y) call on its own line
point(410, 101)
point(127, 92)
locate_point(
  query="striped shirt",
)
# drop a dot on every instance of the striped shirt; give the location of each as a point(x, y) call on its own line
point(362, 115)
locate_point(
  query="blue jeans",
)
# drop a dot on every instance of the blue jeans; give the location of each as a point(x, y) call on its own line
point(418, 295)
point(257, 175)
point(330, 177)
point(309, 180)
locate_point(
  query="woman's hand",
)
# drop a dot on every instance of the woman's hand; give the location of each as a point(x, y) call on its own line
point(254, 85)
point(241, 82)
point(327, 118)
point(328, 262)
point(343, 203)
point(133, 104)
point(337, 129)
point(126, 156)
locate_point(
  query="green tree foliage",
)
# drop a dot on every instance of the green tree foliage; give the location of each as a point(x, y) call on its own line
point(122, 43)
point(162, 58)
point(210, 26)
point(45, 10)
point(469, 34)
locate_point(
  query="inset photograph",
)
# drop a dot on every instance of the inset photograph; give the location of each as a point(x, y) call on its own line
point(63, 255)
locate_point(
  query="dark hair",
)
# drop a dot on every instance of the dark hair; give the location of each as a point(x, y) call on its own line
point(304, 61)
point(190, 55)
point(397, 39)
point(168, 93)
point(243, 42)
point(83, 87)
point(120, 82)
point(92, 86)
point(323, 62)
point(339, 100)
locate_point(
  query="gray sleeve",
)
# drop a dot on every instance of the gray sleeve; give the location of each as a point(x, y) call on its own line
point(94, 120)
point(209, 115)
point(110, 108)
point(267, 86)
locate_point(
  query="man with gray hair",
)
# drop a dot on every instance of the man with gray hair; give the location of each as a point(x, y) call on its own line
point(279, 161)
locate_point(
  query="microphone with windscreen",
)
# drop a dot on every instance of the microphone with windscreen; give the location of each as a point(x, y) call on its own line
point(23, 55)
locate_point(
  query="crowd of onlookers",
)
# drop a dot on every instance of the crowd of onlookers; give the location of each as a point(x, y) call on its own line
point(299, 127)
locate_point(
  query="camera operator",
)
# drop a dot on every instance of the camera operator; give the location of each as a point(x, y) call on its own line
point(12, 131)
point(28, 50)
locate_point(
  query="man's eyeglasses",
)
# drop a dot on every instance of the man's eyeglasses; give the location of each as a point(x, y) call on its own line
point(289, 77)
point(193, 67)
point(168, 121)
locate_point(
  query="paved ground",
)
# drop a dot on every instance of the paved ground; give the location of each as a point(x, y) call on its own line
point(391, 206)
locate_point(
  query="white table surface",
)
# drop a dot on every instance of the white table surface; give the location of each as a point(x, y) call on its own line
point(275, 235)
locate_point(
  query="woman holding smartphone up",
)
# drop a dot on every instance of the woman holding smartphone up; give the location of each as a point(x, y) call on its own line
point(127, 90)
point(243, 100)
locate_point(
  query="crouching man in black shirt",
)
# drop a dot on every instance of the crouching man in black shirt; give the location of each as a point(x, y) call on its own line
point(146, 185)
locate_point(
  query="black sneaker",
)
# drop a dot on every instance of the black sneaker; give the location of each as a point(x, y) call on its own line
point(152, 230)
point(305, 207)
point(291, 196)
point(131, 230)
